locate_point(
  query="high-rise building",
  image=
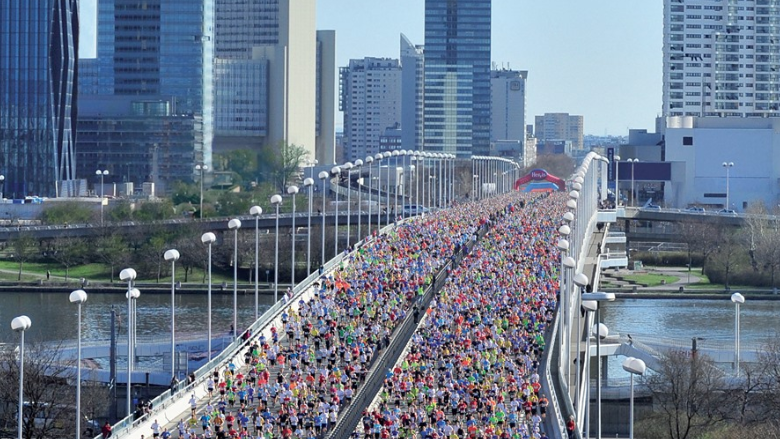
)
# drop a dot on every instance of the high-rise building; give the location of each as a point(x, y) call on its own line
point(272, 45)
point(457, 77)
point(720, 58)
point(412, 86)
point(560, 126)
point(38, 83)
point(507, 89)
point(155, 59)
point(371, 103)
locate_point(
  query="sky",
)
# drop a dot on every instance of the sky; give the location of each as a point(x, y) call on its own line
point(599, 59)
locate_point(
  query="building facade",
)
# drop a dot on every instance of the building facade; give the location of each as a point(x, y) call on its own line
point(457, 77)
point(155, 62)
point(38, 84)
point(371, 103)
point(720, 58)
point(412, 87)
point(507, 91)
point(560, 126)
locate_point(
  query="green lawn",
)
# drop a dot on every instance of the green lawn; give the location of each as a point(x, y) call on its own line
point(33, 271)
point(651, 279)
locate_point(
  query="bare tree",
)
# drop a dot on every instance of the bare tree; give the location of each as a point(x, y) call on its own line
point(729, 253)
point(686, 392)
point(24, 248)
point(69, 251)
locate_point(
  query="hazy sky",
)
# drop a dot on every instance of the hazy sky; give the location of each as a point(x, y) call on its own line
point(599, 59)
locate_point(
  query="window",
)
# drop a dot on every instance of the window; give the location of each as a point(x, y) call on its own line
point(687, 140)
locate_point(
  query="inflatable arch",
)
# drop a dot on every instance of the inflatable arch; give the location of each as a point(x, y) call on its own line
point(540, 175)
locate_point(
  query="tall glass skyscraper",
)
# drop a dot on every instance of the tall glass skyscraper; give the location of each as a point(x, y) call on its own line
point(38, 52)
point(457, 77)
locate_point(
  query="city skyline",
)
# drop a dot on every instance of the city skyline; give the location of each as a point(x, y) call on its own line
point(602, 60)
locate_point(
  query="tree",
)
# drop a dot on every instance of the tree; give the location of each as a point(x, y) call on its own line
point(687, 393)
point(282, 162)
point(48, 413)
point(729, 253)
point(24, 248)
point(241, 163)
point(70, 212)
point(69, 251)
point(112, 250)
point(559, 165)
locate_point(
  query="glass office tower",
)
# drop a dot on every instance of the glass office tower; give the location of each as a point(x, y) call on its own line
point(457, 77)
point(38, 52)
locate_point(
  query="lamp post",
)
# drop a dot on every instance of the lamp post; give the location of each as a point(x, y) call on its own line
point(101, 174)
point(309, 183)
point(173, 256)
point(128, 275)
point(738, 299)
point(580, 280)
point(728, 166)
point(235, 224)
point(633, 194)
point(201, 168)
point(378, 159)
point(256, 211)
point(617, 180)
point(396, 153)
point(2, 184)
point(634, 366)
point(387, 155)
point(292, 190)
point(21, 324)
point(348, 166)
point(78, 297)
point(276, 200)
point(208, 238)
point(358, 164)
point(369, 161)
point(601, 332)
point(323, 175)
point(336, 171)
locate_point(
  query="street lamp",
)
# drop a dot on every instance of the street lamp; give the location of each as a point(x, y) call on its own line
point(309, 183)
point(21, 324)
point(378, 159)
point(128, 274)
point(78, 297)
point(276, 200)
point(348, 166)
point(2, 184)
point(292, 190)
point(208, 238)
point(336, 171)
point(323, 175)
point(173, 256)
point(201, 168)
point(634, 366)
point(738, 299)
point(256, 211)
point(396, 153)
point(633, 194)
point(616, 159)
point(387, 155)
point(369, 161)
point(101, 174)
point(358, 164)
point(234, 225)
point(728, 166)
point(601, 331)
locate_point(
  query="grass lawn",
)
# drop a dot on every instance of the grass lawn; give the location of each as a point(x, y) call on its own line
point(33, 271)
point(651, 279)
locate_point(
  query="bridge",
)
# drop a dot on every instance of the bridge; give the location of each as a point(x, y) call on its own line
point(565, 380)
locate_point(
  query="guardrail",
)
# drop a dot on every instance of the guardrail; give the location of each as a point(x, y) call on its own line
point(167, 398)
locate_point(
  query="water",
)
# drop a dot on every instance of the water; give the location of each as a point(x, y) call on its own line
point(54, 317)
point(683, 319)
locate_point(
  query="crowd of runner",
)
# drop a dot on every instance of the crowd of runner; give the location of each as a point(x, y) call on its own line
point(472, 368)
point(297, 380)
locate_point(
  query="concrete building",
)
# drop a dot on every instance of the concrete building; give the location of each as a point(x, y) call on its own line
point(271, 50)
point(697, 149)
point(560, 126)
point(412, 87)
point(38, 83)
point(371, 103)
point(720, 58)
point(457, 77)
point(507, 91)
